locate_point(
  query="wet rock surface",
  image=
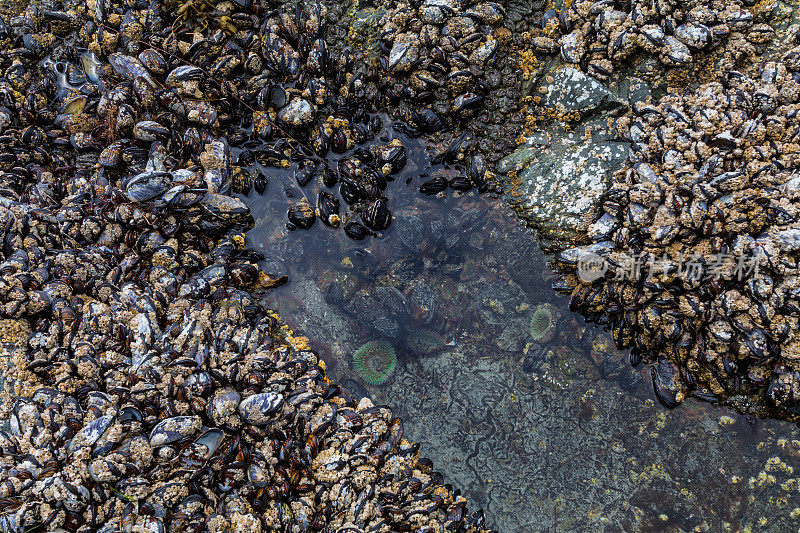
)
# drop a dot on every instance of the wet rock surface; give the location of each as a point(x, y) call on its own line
point(519, 423)
point(572, 91)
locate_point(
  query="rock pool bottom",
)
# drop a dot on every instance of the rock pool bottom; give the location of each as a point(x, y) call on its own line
point(562, 436)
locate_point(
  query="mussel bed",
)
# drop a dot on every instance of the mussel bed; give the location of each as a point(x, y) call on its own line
point(149, 388)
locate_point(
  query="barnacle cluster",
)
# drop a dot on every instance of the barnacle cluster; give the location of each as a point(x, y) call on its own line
point(601, 34)
point(440, 49)
point(694, 261)
point(200, 13)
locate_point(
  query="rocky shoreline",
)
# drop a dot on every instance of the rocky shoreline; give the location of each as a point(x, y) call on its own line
point(152, 390)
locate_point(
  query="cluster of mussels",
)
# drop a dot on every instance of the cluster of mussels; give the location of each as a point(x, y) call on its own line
point(597, 34)
point(153, 392)
point(698, 243)
point(439, 50)
point(364, 170)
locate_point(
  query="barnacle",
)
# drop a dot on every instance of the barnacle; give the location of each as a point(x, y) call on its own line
point(201, 13)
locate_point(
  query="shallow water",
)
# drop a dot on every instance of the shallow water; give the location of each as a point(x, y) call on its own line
point(560, 436)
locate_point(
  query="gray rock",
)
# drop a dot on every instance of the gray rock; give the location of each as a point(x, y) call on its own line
point(572, 90)
point(367, 21)
point(299, 113)
point(560, 174)
point(560, 185)
point(374, 314)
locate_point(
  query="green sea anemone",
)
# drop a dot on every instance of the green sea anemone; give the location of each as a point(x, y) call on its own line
point(423, 342)
point(543, 323)
point(375, 362)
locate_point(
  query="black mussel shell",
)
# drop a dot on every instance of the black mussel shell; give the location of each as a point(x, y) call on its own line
point(111, 155)
point(635, 357)
point(260, 184)
point(244, 274)
point(458, 146)
point(263, 98)
point(320, 141)
point(461, 183)
point(362, 133)
point(328, 209)
point(329, 177)
point(351, 191)
point(477, 170)
point(375, 178)
point(339, 142)
point(356, 231)
point(393, 155)
point(304, 173)
point(466, 102)
point(33, 136)
point(242, 181)
point(301, 215)
point(245, 157)
point(348, 168)
point(363, 155)
point(376, 124)
point(377, 216)
point(428, 121)
point(433, 185)
point(277, 96)
point(667, 383)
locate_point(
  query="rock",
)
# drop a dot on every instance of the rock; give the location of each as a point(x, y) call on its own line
point(637, 90)
point(299, 113)
point(559, 175)
point(422, 301)
point(572, 90)
point(373, 313)
point(521, 157)
point(367, 24)
point(561, 183)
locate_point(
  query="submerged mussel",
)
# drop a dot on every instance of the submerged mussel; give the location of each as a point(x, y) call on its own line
point(301, 215)
point(356, 231)
point(328, 209)
point(434, 185)
point(377, 216)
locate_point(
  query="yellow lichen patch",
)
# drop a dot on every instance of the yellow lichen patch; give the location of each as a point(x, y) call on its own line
point(775, 464)
point(762, 480)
